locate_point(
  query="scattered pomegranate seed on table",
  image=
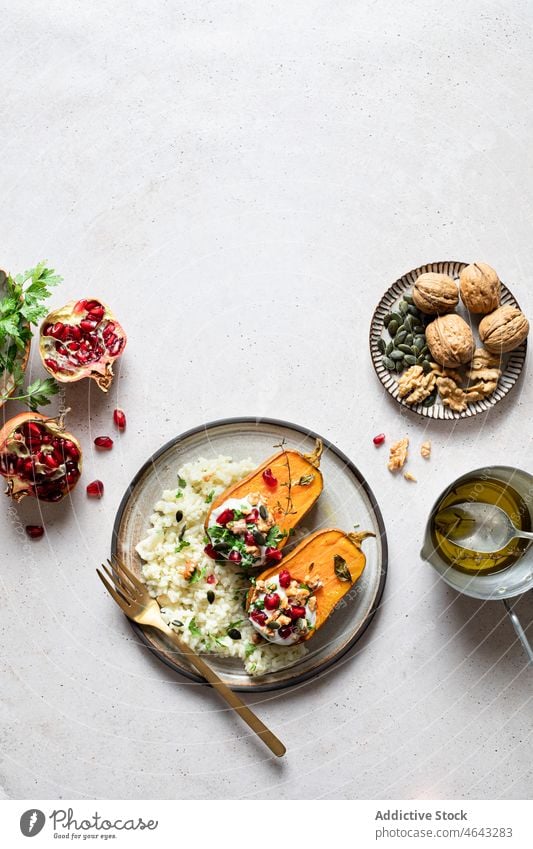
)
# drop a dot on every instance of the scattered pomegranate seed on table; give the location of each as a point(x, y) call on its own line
point(379, 439)
point(104, 442)
point(119, 417)
point(95, 489)
point(35, 531)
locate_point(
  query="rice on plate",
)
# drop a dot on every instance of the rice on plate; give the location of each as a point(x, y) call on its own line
point(201, 599)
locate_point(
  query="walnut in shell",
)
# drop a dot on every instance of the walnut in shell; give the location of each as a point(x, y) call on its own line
point(503, 330)
point(435, 294)
point(480, 288)
point(450, 340)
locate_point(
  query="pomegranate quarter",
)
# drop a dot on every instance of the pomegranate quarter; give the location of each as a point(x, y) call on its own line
point(81, 339)
point(38, 457)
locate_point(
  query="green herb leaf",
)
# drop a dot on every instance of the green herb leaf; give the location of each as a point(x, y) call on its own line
point(249, 649)
point(194, 629)
point(306, 480)
point(197, 575)
point(183, 544)
point(181, 483)
point(210, 497)
point(341, 569)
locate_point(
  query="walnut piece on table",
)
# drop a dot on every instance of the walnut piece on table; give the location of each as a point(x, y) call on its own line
point(414, 385)
point(425, 450)
point(398, 455)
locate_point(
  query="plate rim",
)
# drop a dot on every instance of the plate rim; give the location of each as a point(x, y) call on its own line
point(428, 412)
point(383, 565)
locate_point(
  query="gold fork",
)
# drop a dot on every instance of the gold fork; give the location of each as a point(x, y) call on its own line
point(133, 598)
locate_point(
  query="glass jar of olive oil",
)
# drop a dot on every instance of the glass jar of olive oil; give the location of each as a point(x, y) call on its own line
point(488, 491)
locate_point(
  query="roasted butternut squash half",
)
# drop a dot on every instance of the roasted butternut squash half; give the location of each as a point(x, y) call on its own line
point(250, 522)
point(292, 600)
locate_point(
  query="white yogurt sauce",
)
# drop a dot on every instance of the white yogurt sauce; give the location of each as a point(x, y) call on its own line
point(237, 504)
point(274, 637)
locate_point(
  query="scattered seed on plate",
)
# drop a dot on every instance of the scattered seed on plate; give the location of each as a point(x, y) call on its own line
point(409, 477)
point(379, 439)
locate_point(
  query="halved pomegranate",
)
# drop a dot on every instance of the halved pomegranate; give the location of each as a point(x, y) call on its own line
point(82, 339)
point(38, 457)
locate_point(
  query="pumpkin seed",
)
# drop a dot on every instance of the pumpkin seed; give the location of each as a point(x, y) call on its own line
point(408, 323)
point(400, 337)
point(260, 539)
point(405, 348)
point(396, 355)
point(403, 307)
point(420, 360)
point(263, 511)
point(392, 328)
point(418, 329)
point(410, 360)
point(179, 516)
point(426, 366)
point(389, 348)
point(399, 366)
point(210, 596)
point(387, 318)
point(274, 626)
point(234, 634)
point(419, 341)
point(429, 401)
point(409, 299)
point(397, 317)
point(409, 339)
point(425, 350)
point(388, 363)
point(381, 346)
point(413, 311)
point(414, 350)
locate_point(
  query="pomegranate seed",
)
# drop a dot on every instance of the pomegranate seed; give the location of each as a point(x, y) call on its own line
point(272, 601)
point(285, 632)
point(92, 305)
point(379, 439)
point(119, 417)
point(259, 617)
point(35, 531)
point(116, 347)
point(273, 554)
point(87, 324)
point(95, 489)
point(225, 517)
point(34, 430)
point(71, 449)
point(97, 313)
point(252, 517)
point(104, 442)
point(297, 612)
point(211, 552)
point(51, 364)
point(235, 556)
point(75, 333)
point(284, 579)
point(73, 346)
point(249, 538)
point(211, 579)
point(50, 461)
point(269, 478)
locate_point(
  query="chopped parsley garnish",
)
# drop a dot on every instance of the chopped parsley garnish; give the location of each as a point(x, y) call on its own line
point(197, 575)
point(194, 629)
point(209, 497)
point(182, 544)
point(181, 482)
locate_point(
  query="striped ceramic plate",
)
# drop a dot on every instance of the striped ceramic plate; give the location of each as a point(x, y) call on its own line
point(512, 365)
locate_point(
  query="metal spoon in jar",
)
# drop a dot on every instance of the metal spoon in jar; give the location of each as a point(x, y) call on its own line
point(478, 527)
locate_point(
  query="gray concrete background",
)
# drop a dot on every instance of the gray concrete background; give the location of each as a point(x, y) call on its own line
point(242, 181)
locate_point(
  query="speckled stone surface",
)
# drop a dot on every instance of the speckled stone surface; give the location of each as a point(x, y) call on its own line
point(242, 182)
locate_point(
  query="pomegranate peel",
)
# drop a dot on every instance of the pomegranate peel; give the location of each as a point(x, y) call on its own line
point(81, 339)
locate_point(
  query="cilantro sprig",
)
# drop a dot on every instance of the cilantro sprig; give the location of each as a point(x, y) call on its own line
point(22, 304)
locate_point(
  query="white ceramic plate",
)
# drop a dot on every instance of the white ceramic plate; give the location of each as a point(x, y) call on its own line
point(346, 500)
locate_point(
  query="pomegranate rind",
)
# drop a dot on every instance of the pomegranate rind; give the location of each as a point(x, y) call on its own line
point(16, 488)
point(101, 370)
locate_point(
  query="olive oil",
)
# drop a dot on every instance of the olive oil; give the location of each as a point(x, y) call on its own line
point(488, 491)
